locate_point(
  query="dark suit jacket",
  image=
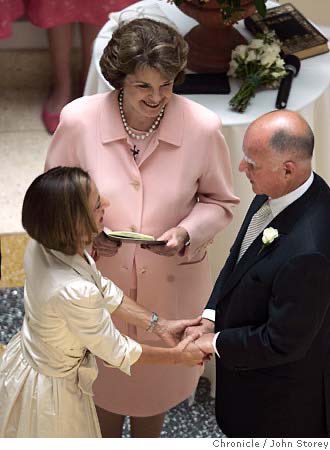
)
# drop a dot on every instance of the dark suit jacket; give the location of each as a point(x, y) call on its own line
point(272, 308)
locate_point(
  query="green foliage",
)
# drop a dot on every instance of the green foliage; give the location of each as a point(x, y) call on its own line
point(231, 10)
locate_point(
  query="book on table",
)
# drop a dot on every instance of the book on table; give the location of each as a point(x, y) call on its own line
point(298, 35)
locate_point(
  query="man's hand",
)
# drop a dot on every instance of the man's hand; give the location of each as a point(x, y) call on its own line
point(205, 326)
point(188, 353)
point(176, 239)
point(103, 246)
point(205, 343)
point(171, 331)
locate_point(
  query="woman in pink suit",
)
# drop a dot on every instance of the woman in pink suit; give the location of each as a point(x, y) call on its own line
point(163, 163)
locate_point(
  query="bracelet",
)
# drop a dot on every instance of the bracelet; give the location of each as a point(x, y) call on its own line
point(153, 322)
point(187, 243)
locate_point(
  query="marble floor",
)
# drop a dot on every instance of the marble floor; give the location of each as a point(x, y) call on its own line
point(23, 145)
point(23, 139)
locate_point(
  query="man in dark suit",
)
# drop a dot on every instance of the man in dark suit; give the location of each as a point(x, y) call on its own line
point(271, 300)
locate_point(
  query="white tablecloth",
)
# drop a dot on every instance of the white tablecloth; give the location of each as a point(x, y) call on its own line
point(310, 95)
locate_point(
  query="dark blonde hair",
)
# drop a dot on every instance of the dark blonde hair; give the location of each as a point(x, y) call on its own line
point(140, 44)
point(56, 210)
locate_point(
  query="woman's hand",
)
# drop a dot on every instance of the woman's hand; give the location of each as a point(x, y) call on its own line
point(186, 353)
point(103, 246)
point(176, 239)
point(171, 331)
point(205, 343)
point(189, 354)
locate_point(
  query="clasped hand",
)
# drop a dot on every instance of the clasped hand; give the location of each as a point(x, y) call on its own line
point(187, 338)
point(189, 354)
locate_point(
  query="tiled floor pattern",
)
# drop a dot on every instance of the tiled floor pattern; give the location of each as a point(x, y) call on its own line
point(24, 82)
point(12, 250)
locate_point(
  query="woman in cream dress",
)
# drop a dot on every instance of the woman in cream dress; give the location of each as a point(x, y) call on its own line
point(48, 368)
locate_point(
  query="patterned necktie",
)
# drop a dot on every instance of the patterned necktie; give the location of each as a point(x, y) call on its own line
point(258, 222)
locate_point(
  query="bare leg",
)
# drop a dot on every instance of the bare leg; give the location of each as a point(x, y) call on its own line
point(111, 424)
point(147, 427)
point(88, 35)
point(60, 42)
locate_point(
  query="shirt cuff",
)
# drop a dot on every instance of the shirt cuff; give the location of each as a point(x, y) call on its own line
point(214, 343)
point(114, 297)
point(133, 353)
point(209, 314)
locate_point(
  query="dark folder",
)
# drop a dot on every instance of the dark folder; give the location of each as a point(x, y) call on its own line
point(204, 83)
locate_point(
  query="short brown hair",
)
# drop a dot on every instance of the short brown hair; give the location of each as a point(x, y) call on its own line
point(56, 211)
point(144, 43)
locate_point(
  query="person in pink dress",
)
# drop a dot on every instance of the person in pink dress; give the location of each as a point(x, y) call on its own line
point(58, 17)
point(10, 10)
point(164, 165)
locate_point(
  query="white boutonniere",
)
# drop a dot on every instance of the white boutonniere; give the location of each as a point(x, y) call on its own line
point(268, 236)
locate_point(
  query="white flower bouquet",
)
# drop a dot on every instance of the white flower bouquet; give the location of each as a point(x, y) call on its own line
point(257, 64)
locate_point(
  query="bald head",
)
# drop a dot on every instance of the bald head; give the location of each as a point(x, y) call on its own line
point(285, 132)
point(278, 149)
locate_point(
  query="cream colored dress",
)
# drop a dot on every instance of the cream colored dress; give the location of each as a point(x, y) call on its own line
point(48, 368)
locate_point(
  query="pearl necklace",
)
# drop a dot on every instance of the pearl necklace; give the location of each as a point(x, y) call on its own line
point(128, 129)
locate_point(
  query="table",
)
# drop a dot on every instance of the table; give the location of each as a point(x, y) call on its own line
point(310, 96)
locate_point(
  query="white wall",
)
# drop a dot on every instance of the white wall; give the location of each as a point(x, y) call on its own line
point(316, 10)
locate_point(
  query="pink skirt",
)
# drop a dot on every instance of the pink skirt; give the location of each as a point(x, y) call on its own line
point(52, 13)
point(150, 390)
point(10, 10)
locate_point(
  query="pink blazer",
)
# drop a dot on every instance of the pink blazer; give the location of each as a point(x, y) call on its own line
point(184, 179)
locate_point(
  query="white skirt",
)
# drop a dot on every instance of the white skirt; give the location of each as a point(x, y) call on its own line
point(37, 405)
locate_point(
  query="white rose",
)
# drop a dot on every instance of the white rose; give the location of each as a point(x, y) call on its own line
point(240, 51)
point(270, 49)
point(256, 43)
point(280, 63)
point(277, 74)
point(269, 235)
point(232, 67)
point(251, 56)
point(268, 59)
point(276, 48)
